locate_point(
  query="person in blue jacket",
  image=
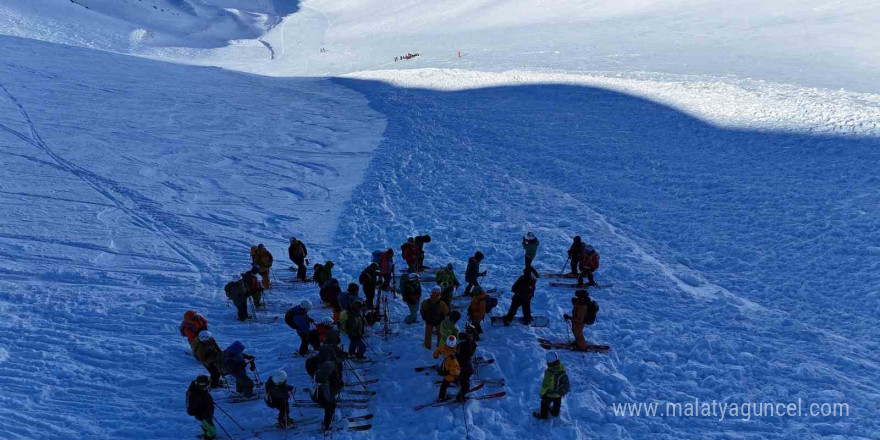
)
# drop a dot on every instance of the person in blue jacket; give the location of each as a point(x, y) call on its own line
point(235, 363)
point(298, 319)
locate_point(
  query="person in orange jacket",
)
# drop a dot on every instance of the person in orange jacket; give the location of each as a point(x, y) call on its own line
point(260, 256)
point(192, 324)
point(477, 311)
point(588, 264)
point(583, 312)
point(449, 368)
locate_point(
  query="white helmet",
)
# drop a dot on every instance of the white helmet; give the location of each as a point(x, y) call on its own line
point(205, 335)
point(530, 236)
point(306, 304)
point(451, 341)
point(551, 357)
point(328, 321)
point(436, 290)
point(279, 376)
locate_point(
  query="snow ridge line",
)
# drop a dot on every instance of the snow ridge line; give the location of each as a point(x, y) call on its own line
point(95, 182)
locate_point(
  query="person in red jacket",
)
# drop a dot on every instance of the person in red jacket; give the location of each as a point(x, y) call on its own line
point(588, 264)
point(386, 269)
point(192, 324)
point(410, 253)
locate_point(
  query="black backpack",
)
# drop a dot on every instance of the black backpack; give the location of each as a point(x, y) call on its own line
point(433, 313)
point(235, 290)
point(563, 385)
point(592, 310)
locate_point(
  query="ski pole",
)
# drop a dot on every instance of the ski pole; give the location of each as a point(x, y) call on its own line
point(562, 272)
point(570, 334)
point(257, 374)
point(351, 369)
point(222, 428)
point(467, 430)
point(254, 305)
point(228, 416)
point(370, 346)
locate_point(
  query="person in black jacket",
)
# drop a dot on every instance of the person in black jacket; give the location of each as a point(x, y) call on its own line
point(327, 386)
point(278, 397)
point(200, 405)
point(297, 252)
point(523, 291)
point(472, 274)
point(369, 280)
point(575, 253)
point(466, 349)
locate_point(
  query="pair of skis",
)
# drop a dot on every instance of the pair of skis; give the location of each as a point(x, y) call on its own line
point(591, 348)
point(452, 401)
point(477, 362)
point(537, 321)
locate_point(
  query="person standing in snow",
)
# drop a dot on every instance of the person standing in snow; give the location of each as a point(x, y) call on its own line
point(298, 253)
point(420, 242)
point(329, 294)
point(449, 368)
point(253, 286)
point(209, 354)
point(354, 325)
point(575, 252)
point(410, 254)
point(192, 324)
point(554, 386)
point(523, 292)
point(583, 312)
point(386, 269)
point(464, 354)
point(433, 312)
point(472, 274)
point(347, 298)
point(588, 264)
point(236, 363)
point(411, 293)
point(449, 325)
point(327, 386)
point(477, 310)
point(298, 319)
point(447, 282)
point(278, 397)
point(261, 257)
point(200, 405)
point(530, 245)
point(323, 273)
point(369, 279)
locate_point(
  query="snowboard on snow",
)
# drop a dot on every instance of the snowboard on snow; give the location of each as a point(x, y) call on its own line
point(537, 321)
point(591, 348)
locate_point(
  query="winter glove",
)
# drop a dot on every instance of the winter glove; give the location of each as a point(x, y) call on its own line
point(253, 366)
point(484, 273)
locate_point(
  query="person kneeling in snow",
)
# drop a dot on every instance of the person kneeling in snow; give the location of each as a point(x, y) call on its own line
point(278, 397)
point(200, 405)
point(554, 386)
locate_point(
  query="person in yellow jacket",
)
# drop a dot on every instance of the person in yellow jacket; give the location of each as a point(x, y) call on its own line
point(449, 368)
point(553, 387)
point(261, 257)
point(433, 312)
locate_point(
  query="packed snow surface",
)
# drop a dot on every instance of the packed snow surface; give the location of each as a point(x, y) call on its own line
point(721, 156)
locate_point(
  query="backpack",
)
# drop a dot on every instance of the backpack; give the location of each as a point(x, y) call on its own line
point(433, 312)
point(189, 409)
point(592, 309)
point(441, 369)
point(562, 385)
point(270, 402)
point(235, 290)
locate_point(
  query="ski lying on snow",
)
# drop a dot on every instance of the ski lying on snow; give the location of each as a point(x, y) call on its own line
point(452, 401)
point(309, 427)
point(477, 361)
point(302, 401)
point(583, 286)
point(547, 344)
point(560, 275)
point(352, 392)
point(491, 382)
point(537, 321)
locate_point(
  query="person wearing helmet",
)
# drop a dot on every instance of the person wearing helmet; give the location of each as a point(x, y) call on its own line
point(354, 325)
point(447, 282)
point(299, 320)
point(530, 245)
point(298, 253)
point(192, 324)
point(575, 252)
point(588, 264)
point(278, 397)
point(200, 405)
point(319, 333)
point(449, 368)
point(411, 292)
point(464, 355)
point(261, 257)
point(369, 279)
point(209, 354)
point(472, 274)
point(449, 325)
point(433, 312)
point(523, 292)
point(554, 387)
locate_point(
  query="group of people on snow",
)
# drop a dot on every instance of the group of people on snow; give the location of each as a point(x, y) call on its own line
point(408, 56)
point(351, 316)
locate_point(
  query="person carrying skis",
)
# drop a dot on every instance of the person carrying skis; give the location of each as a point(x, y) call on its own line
point(192, 324)
point(448, 326)
point(236, 363)
point(472, 274)
point(200, 405)
point(386, 268)
point(523, 292)
point(583, 312)
point(327, 386)
point(298, 253)
point(369, 279)
point(410, 254)
point(464, 354)
point(588, 264)
point(553, 388)
point(261, 257)
point(448, 283)
point(253, 286)
point(323, 273)
point(299, 320)
point(433, 312)
point(411, 293)
point(530, 245)
point(449, 368)
point(209, 354)
point(347, 298)
point(575, 252)
point(354, 325)
point(329, 294)
point(477, 310)
point(278, 397)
